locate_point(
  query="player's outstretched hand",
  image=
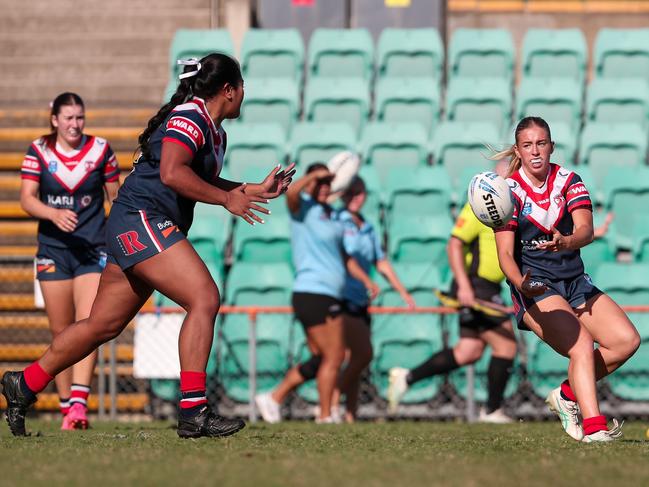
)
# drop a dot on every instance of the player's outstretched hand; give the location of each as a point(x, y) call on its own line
point(241, 204)
point(65, 220)
point(277, 182)
point(558, 242)
point(531, 287)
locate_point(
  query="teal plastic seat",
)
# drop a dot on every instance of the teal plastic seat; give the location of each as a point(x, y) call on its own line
point(269, 242)
point(631, 382)
point(338, 100)
point(553, 99)
point(419, 191)
point(210, 231)
point(460, 191)
point(271, 100)
point(388, 145)
point(480, 100)
point(476, 53)
point(640, 238)
point(622, 53)
point(604, 146)
point(405, 341)
point(341, 53)
point(319, 142)
point(419, 238)
point(627, 284)
point(457, 145)
point(618, 101)
point(626, 190)
point(602, 249)
point(198, 43)
point(250, 283)
point(167, 389)
point(555, 53)
point(408, 100)
point(254, 145)
point(546, 369)
point(273, 53)
point(410, 53)
point(273, 351)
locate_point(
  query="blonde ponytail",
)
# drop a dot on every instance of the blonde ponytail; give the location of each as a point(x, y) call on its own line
point(514, 160)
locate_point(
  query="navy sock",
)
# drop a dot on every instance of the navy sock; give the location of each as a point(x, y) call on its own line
point(440, 363)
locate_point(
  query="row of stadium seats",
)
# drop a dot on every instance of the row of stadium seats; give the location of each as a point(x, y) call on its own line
point(467, 100)
point(619, 53)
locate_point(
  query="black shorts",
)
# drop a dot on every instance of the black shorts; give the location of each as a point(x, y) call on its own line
point(576, 291)
point(357, 311)
point(314, 309)
point(61, 263)
point(473, 322)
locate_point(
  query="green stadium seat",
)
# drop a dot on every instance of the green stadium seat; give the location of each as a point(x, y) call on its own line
point(461, 188)
point(198, 43)
point(479, 53)
point(250, 284)
point(457, 145)
point(480, 100)
point(270, 242)
point(404, 340)
point(210, 231)
point(387, 145)
point(546, 369)
point(420, 238)
point(338, 100)
point(601, 249)
point(408, 100)
point(458, 378)
point(419, 191)
point(166, 389)
point(170, 89)
point(555, 53)
point(273, 349)
point(260, 145)
point(622, 53)
point(640, 238)
point(372, 208)
point(273, 53)
point(631, 381)
point(626, 191)
point(604, 146)
point(419, 278)
point(341, 53)
point(618, 101)
point(410, 53)
point(627, 283)
point(555, 100)
point(319, 142)
point(271, 100)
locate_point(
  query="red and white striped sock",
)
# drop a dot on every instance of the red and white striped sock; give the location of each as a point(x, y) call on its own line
point(192, 389)
point(64, 405)
point(79, 394)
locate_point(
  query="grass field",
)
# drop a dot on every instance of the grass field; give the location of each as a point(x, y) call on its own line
point(303, 454)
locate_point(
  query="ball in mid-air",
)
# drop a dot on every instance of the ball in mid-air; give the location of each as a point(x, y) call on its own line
point(491, 199)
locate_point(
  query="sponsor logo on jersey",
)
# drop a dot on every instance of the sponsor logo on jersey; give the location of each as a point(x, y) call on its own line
point(577, 189)
point(490, 206)
point(185, 126)
point(52, 166)
point(130, 243)
point(60, 201)
point(85, 201)
point(563, 173)
point(527, 209)
point(30, 164)
point(169, 230)
point(165, 224)
point(533, 244)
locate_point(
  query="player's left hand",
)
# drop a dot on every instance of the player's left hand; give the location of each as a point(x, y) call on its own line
point(558, 242)
point(373, 290)
point(277, 182)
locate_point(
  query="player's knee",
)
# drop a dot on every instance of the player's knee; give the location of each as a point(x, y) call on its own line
point(468, 353)
point(631, 343)
point(309, 369)
point(506, 349)
point(205, 301)
point(582, 349)
point(333, 358)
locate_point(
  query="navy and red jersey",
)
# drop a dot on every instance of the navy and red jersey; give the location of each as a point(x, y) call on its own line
point(536, 212)
point(73, 182)
point(189, 125)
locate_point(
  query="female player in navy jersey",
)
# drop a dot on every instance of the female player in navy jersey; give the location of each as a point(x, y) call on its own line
point(538, 251)
point(64, 175)
point(181, 157)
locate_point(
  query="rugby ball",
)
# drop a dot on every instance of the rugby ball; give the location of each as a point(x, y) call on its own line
point(344, 166)
point(491, 199)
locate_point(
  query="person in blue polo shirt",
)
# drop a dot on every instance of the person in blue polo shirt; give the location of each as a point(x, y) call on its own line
point(321, 265)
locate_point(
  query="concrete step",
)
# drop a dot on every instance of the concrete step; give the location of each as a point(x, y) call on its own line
point(45, 7)
point(11, 352)
point(12, 209)
point(95, 117)
point(59, 21)
point(30, 321)
point(133, 402)
point(17, 253)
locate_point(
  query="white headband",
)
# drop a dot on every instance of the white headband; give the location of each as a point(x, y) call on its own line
point(189, 62)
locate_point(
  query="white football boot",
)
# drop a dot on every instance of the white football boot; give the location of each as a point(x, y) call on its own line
point(495, 417)
point(605, 435)
point(568, 412)
point(397, 387)
point(269, 409)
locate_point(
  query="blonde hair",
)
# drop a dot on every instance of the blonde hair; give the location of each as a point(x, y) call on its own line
point(514, 160)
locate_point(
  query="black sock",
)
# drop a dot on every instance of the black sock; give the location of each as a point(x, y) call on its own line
point(29, 394)
point(440, 363)
point(500, 369)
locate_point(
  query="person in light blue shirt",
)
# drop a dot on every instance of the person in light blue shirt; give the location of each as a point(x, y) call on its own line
point(321, 266)
point(362, 242)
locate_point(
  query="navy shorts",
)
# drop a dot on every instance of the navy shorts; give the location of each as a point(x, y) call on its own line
point(314, 309)
point(61, 263)
point(576, 291)
point(357, 311)
point(136, 235)
point(473, 322)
